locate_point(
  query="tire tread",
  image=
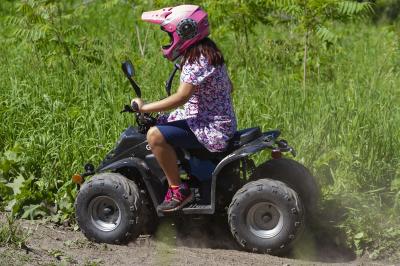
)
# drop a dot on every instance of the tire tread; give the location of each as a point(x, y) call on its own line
point(285, 192)
point(130, 193)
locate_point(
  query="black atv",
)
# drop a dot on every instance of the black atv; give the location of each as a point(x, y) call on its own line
point(265, 205)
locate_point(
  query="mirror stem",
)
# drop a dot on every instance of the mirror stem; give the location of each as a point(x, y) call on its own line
point(168, 84)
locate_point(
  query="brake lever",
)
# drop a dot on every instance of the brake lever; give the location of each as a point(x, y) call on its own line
point(127, 109)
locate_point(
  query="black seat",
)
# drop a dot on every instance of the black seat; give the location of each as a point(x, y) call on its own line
point(240, 138)
point(244, 136)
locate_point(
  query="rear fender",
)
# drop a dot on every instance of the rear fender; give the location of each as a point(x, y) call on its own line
point(295, 175)
point(252, 147)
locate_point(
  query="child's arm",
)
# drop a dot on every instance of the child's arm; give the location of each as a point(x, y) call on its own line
point(185, 91)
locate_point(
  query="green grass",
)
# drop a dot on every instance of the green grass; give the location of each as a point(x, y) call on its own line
point(11, 234)
point(56, 116)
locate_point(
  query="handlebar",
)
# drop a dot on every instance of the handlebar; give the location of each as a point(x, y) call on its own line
point(127, 109)
point(133, 108)
point(143, 120)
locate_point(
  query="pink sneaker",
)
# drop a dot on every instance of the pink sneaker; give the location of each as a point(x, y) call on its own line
point(168, 196)
point(181, 196)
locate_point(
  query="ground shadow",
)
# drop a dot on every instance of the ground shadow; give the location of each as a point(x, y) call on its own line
point(322, 241)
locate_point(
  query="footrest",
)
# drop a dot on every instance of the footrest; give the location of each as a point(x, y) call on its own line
point(191, 208)
point(195, 208)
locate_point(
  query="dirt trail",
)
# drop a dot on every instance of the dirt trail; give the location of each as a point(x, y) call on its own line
point(50, 244)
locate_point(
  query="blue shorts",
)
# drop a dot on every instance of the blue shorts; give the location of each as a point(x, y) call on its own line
point(178, 134)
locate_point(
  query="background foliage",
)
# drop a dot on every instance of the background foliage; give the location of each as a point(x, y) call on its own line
point(325, 72)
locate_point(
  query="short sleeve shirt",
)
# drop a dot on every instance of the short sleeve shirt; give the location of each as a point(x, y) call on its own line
point(209, 112)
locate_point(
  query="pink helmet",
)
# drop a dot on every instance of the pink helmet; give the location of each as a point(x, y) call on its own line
point(185, 25)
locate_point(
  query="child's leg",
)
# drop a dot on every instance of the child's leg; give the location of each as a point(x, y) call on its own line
point(161, 138)
point(165, 155)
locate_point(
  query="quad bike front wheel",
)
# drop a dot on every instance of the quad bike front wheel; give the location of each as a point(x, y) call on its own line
point(108, 208)
point(266, 216)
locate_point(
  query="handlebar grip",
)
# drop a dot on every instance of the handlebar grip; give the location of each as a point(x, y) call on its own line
point(135, 107)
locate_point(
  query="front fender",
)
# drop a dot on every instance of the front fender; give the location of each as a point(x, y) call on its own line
point(153, 185)
point(130, 162)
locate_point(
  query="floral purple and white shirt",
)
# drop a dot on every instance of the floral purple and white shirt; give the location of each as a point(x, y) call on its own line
point(209, 112)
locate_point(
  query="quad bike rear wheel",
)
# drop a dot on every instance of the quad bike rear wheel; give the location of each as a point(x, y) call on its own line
point(266, 216)
point(108, 209)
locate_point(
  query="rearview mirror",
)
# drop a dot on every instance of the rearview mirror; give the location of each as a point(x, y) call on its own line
point(128, 69)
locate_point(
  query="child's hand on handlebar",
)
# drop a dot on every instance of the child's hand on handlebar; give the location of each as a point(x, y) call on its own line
point(137, 104)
